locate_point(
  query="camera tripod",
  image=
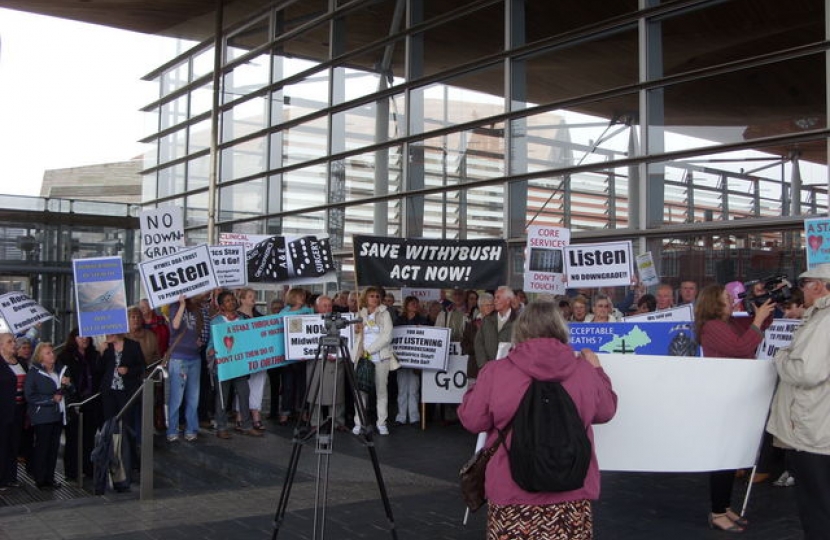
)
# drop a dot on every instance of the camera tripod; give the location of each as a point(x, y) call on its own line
point(331, 344)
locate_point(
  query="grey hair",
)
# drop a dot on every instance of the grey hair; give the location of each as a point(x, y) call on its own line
point(540, 320)
point(485, 298)
point(508, 292)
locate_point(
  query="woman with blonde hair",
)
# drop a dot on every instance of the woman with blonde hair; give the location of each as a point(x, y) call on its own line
point(375, 343)
point(540, 352)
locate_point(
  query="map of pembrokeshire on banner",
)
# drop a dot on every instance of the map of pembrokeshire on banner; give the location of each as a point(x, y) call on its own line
point(652, 338)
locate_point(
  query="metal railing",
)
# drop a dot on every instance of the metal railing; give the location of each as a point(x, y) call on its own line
point(157, 374)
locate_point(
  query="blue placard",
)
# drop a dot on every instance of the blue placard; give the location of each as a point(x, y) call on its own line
point(247, 346)
point(653, 338)
point(99, 291)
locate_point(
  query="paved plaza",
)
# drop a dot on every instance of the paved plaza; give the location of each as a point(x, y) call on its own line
point(215, 489)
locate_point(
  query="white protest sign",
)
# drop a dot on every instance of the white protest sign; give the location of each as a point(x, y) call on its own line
point(445, 386)
point(599, 265)
point(545, 259)
point(423, 295)
point(244, 239)
point(421, 347)
point(303, 333)
point(229, 265)
point(162, 231)
point(684, 313)
point(670, 413)
point(188, 272)
point(777, 336)
point(647, 270)
point(21, 312)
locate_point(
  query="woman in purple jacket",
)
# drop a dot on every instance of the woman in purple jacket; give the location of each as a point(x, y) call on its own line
point(540, 352)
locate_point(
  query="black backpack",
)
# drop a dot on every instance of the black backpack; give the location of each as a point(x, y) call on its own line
point(550, 449)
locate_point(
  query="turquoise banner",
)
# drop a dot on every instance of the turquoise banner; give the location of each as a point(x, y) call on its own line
point(653, 338)
point(247, 346)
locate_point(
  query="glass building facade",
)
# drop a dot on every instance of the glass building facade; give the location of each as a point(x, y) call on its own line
point(696, 128)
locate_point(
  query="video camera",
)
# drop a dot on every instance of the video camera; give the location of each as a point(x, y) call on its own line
point(335, 322)
point(776, 288)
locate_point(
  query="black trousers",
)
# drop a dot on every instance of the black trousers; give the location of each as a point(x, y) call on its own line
point(10, 434)
point(720, 490)
point(45, 455)
point(812, 492)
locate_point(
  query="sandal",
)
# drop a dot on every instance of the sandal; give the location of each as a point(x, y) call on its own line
point(282, 420)
point(718, 521)
point(740, 520)
point(258, 426)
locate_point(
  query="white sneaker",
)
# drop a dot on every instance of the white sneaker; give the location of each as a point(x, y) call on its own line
point(383, 430)
point(356, 430)
point(785, 480)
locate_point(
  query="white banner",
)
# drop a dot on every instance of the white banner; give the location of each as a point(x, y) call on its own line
point(545, 259)
point(303, 333)
point(229, 265)
point(189, 272)
point(445, 386)
point(684, 414)
point(21, 312)
point(162, 231)
point(777, 336)
point(684, 313)
point(599, 265)
point(421, 347)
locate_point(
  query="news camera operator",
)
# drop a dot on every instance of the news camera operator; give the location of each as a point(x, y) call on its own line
point(801, 405)
point(720, 336)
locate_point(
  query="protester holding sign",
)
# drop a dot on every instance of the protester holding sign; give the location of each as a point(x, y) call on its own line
point(496, 328)
point(720, 337)
point(801, 405)
point(409, 380)
point(485, 307)
point(541, 352)
point(247, 306)
point(228, 313)
point(293, 375)
point(184, 368)
point(375, 343)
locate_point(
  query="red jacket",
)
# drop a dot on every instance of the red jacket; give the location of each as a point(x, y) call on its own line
point(494, 398)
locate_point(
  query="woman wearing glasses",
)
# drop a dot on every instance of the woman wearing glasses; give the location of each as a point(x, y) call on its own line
point(375, 342)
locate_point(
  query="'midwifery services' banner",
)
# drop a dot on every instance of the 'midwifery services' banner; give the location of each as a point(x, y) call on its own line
point(655, 338)
point(246, 346)
point(400, 262)
point(303, 333)
point(670, 413)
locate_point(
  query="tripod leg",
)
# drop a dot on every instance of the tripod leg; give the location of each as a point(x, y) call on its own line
point(367, 434)
point(279, 515)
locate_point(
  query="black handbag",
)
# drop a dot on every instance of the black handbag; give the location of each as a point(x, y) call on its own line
point(471, 476)
point(364, 375)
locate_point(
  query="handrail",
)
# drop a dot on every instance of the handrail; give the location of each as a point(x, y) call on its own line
point(140, 390)
point(80, 404)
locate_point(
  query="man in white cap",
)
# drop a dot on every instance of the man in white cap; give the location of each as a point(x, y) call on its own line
point(800, 415)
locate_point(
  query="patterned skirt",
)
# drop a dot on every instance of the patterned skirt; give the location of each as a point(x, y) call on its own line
point(572, 520)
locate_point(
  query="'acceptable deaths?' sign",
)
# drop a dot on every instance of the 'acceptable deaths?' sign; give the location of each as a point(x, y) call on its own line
point(162, 231)
point(188, 272)
point(599, 265)
point(437, 264)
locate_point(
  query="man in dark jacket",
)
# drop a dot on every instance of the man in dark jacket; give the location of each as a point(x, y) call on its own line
point(496, 328)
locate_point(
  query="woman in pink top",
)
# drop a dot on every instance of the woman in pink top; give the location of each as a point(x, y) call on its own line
point(720, 336)
point(540, 352)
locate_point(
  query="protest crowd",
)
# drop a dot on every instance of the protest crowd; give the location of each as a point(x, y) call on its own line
point(39, 377)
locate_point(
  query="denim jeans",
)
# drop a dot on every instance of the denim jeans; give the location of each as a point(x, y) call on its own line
point(184, 388)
